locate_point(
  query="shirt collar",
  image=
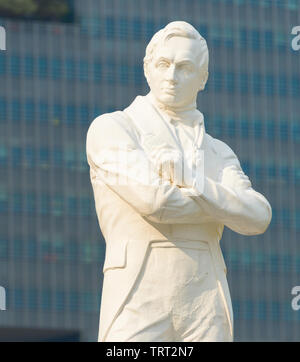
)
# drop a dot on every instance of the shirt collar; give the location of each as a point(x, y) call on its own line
point(191, 117)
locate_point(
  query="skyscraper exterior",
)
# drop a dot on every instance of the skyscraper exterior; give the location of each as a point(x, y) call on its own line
point(56, 77)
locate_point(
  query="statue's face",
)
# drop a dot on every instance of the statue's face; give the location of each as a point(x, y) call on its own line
point(173, 74)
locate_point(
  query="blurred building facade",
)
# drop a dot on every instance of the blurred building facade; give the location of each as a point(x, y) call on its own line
point(56, 77)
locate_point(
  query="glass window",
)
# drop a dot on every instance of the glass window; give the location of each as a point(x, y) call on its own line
point(60, 300)
point(3, 109)
point(18, 298)
point(83, 70)
point(57, 157)
point(124, 76)
point(231, 127)
point(72, 205)
point(150, 29)
point(296, 86)
point(256, 83)
point(30, 203)
point(138, 74)
point(295, 129)
point(109, 27)
point(230, 81)
point(43, 112)
point(57, 205)
point(88, 302)
point(32, 299)
point(243, 38)
point(43, 67)
point(57, 111)
point(18, 248)
point(248, 310)
point(274, 308)
point(283, 130)
point(32, 248)
point(16, 110)
point(269, 85)
point(282, 86)
point(217, 80)
point(74, 301)
point(110, 73)
point(15, 65)
point(70, 69)
point(44, 204)
point(244, 83)
point(270, 129)
point(3, 244)
point(29, 111)
point(44, 156)
point(136, 29)
point(255, 39)
point(257, 127)
point(123, 28)
point(2, 64)
point(97, 71)
point(16, 156)
point(262, 310)
point(28, 66)
point(245, 128)
point(46, 300)
point(3, 156)
point(71, 114)
point(56, 68)
point(268, 40)
point(70, 157)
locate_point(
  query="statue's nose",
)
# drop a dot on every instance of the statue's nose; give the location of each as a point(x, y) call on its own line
point(171, 73)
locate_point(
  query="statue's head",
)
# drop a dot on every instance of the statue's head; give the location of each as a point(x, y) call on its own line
point(176, 64)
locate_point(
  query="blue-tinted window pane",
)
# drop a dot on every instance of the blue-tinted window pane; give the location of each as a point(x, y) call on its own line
point(15, 65)
point(32, 249)
point(3, 244)
point(46, 300)
point(19, 298)
point(29, 111)
point(110, 27)
point(32, 299)
point(70, 69)
point(43, 67)
point(16, 156)
point(97, 71)
point(244, 82)
point(83, 70)
point(28, 66)
point(16, 110)
point(56, 68)
point(60, 300)
point(3, 109)
point(230, 81)
point(2, 64)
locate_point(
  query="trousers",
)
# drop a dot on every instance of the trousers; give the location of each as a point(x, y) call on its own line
point(175, 299)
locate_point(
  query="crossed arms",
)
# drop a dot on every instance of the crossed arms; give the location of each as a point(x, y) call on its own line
point(232, 201)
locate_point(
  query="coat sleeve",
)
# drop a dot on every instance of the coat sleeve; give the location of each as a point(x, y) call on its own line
point(232, 200)
point(117, 160)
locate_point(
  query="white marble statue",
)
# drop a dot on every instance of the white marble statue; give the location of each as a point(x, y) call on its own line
point(164, 189)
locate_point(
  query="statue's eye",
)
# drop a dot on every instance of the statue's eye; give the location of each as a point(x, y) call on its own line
point(163, 65)
point(185, 67)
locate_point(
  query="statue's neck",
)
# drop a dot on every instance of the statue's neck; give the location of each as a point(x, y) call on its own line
point(173, 111)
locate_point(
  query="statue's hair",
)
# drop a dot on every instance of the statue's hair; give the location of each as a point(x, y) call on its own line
point(183, 29)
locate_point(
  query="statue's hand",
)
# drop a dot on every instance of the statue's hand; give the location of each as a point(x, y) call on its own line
point(167, 162)
point(235, 178)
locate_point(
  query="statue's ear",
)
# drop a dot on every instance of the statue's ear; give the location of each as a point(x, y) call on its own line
point(203, 80)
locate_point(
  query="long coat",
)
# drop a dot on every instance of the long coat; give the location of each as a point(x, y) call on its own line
point(133, 214)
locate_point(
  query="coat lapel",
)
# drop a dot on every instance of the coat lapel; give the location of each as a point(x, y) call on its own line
point(153, 129)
